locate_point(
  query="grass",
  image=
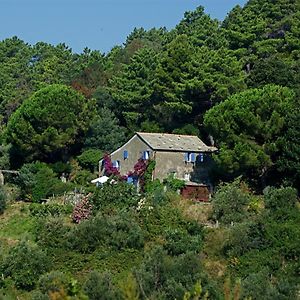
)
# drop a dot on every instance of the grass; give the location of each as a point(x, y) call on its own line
point(16, 224)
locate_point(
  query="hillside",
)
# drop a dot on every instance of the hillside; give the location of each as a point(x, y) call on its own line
point(235, 84)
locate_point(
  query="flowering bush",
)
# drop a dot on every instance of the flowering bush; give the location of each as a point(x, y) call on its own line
point(109, 168)
point(82, 210)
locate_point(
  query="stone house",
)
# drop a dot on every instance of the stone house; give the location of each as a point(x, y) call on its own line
point(185, 157)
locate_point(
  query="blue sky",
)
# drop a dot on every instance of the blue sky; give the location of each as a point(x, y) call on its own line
point(96, 24)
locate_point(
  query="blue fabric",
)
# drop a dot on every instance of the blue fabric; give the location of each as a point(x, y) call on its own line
point(130, 180)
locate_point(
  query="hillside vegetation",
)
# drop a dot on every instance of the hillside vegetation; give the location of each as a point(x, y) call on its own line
point(235, 84)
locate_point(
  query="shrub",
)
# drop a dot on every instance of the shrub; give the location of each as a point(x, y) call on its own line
point(99, 286)
point(179, 241)
point(230, 202)
point(90, 234)
point(54, 281)
point(163, 277)
point(50, 232)
point(45, 210)
point(89, 159)
point(38, 181)
point(24, 264)
point(120, 231)
point(2, 200)
point(245, 237)
point(120, 195)
point(282, 198)
point(127, 233)
point(82, 210)
point(174, 184)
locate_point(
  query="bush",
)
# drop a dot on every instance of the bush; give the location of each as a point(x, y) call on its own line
point(163, 277)
point(24, 264)
point(280, 199)
point(45, 210)
point(174, 184)
point(120, 195)
point(99, 286)
point(120, 231)
point(54, 281)
point(51, 233)
point(82, 210)
point(179, 241)
point(89, 159)
point(2, 200)
point(38, 181)
point(230, 202)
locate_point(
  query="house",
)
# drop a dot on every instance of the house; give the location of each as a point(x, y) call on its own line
point(185, 157)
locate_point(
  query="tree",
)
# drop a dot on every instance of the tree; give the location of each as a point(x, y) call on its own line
point(15, 57)
point(288, 163)
point(104, 132)
point(132, 88)
point(49, 124)
point(248, 127)
point(202, 30)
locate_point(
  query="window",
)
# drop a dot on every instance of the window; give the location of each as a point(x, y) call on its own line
point(125, 154)
point(190, 157)
point(116, 164)
point(146, 155)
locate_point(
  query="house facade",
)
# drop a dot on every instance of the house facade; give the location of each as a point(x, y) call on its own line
point(185, 157)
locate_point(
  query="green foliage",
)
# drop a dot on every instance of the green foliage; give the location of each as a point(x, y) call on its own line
point(180, 241)
point(119, 231)
point(114, 196)
point(288, 163)
point(89, 159)
point(24, 264)
point(50, 232)
point(104, 132)
point(48, 124)
point(230, 202)
point(148, 175)
point(174, 184)
point(247, 127)
point(280, 199)
point(245, 71)
point(51, 209)
point(3, 200)
point(99, 286)
point(53, 281)
point(37, 181)
point(168, 278)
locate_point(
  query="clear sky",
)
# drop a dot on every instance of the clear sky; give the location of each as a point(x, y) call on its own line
point(96, 24)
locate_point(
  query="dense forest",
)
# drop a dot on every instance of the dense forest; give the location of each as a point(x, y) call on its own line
point(235, 84)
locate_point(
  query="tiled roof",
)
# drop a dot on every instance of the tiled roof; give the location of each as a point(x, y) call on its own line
point(174, 142)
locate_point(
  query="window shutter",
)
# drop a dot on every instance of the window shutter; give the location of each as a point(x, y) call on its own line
point(116, 164)
point(201, 157)
point(145, 155)
point(125, 154)
point(186, 157)
point(193, 157)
